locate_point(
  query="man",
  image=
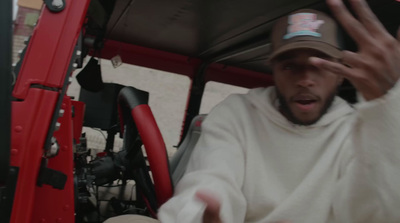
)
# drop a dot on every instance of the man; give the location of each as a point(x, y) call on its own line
point(295, 152)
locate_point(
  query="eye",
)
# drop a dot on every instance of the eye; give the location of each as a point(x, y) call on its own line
point(288, 66)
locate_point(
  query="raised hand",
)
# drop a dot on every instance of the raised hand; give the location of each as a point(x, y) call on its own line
point(375, 68)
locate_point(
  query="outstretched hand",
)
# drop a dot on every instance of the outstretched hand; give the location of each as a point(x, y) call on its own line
point(375, 68)
point(213, 206)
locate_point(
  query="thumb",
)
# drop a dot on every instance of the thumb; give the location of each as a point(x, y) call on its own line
point(213, 206)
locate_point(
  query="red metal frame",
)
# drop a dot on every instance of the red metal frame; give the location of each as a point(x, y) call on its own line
point(151, 58)
point(238, 76)
point(53, 205)
point(30, 121)
point(47, 61)
point(175, 63)
point(51, 47)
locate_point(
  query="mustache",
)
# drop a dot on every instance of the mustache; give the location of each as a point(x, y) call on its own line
point(305, 94)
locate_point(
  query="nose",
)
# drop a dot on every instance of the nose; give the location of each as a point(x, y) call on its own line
point(305, 78)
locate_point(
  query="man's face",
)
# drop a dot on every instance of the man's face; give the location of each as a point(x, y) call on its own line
point(304, 91)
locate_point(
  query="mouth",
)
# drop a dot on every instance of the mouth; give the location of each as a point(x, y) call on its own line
point(305, 103)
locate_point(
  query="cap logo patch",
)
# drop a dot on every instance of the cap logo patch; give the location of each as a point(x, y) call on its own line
point(303, 24)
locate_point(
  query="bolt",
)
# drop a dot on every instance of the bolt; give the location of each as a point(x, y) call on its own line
point(61, 113)
point(57, 3)
point(74, 65)
point(20, 53)
point(57, 127)
point(78, 52)
point(54, 148)
point(18, 128)
point(70, 80)
point(66, 207)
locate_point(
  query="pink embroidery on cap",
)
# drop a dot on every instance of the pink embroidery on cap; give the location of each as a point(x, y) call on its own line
point(303, 24)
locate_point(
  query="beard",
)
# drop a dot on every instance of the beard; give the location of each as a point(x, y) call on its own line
point(288, 113)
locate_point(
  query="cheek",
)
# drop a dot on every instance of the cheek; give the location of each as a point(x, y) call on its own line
point(282, 81)
point(331, 76)
point(334, 80)
point(328, 79)
point(279, 84)
point(330, 85)
point(285, 86)
point(284, 90)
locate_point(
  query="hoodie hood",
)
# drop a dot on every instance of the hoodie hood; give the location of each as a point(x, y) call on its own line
point(266, 100)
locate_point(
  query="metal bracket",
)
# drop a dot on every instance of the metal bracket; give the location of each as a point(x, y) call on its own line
point(55, 5)
point(51, 177)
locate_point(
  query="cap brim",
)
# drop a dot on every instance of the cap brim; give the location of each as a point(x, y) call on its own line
point(315, 45)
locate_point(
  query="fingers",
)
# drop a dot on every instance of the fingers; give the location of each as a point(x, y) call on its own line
point(351, 59)
point(374, 69)
point(211, 202)
point(333, 67)
point(353, 27)
point(354, 60)
point(365, 28)
point(368, 18)
point(213, 206)
point(370, 88)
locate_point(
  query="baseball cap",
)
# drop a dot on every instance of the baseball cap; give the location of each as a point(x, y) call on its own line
point(306, 29)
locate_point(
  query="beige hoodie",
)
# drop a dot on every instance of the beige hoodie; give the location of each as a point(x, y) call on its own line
point(344, 168)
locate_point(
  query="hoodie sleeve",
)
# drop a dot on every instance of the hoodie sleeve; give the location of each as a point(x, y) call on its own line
point(216, 166)
point(369, 184)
